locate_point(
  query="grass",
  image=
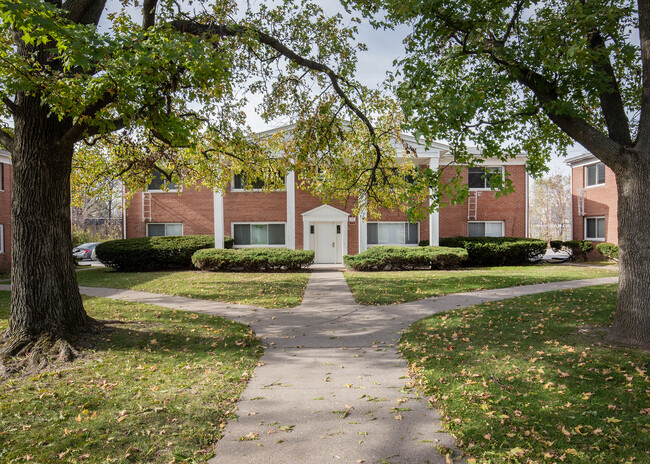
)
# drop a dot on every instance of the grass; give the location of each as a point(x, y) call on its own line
point(383, 288)
point(266, 290)
point(529, 380)
point(157, 388)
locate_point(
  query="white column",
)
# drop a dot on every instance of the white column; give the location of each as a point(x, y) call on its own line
point(219, 231)
point(363, 226)
point(290, 236)
point(434, 216)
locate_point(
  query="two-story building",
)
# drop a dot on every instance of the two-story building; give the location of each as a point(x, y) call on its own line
point(295, 219)
point(594, 200)
point(5, 211)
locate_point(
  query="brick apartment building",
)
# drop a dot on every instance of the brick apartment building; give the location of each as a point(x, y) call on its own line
point(594, 200)
point(295, 219)
point(5, 211)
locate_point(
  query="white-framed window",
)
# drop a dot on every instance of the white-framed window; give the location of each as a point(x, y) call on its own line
point(159, 183)
point(595, 228)
point(594, 174)
point(478, 178)
point(393, 233)
point(263, 234)
point(164, 229)
point(2, 238)
point(241, 183)
point(485, 229)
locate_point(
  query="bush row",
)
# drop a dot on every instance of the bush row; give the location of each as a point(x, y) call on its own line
point(381, 258)
point(252, 259)
point(152, 253)
point(498, 251)
point(575, 248)
point(608, 250)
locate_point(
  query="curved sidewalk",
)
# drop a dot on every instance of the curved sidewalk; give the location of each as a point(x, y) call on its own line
point(333, 387)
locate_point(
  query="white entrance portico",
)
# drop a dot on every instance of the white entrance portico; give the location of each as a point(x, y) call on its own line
point(325, 230)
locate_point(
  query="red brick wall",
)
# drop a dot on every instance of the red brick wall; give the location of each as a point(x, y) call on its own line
point(194, 208)
point(600, 200)
point(249, 206)
point(5, 216)
point(510, 208)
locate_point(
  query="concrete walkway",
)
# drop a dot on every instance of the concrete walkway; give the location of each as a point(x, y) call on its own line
point(333, 388)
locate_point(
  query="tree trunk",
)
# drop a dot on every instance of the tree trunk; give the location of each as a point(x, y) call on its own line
point(632, 318)
point(45, 297)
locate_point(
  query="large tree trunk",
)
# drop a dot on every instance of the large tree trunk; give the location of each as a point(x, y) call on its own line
point(46, 306)
point(632, 318)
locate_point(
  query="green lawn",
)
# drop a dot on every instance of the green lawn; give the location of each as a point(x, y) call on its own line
point(529, 380)
point(157, 388)
point(266, 290)
point(382, 288)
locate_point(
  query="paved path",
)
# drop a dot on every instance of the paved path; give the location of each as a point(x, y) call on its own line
point(332, 387)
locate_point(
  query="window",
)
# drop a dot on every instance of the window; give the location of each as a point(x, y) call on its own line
point(392, 233)
point(479, 178)
point(595, 174)
point(240, 182)
point(485, 229)
point(164, 230)
point(160, 182)
point(258, 234)
point(595, 228)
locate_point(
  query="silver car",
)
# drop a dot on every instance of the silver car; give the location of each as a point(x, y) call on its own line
point(85, 251)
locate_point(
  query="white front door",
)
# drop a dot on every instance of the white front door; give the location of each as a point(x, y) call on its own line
point(325, 242)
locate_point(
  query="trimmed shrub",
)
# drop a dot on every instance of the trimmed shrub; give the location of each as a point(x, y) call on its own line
point(498, 251)
point(423, 243)
point(252, 259)
point(575, 248)
point(608, 250)
point(152, 253)
point(228, 242)
point(395, 258)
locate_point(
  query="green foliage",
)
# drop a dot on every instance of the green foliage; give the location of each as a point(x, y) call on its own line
point(152, 253)
point(608, 250)
point(530, 379)
point(384, 288)
point(423, 243)
point(159, 384)
point(80, 236)
point(498, 251)
point(252, 259)
point(575, 248)
point(395, 258)
point(228, 242)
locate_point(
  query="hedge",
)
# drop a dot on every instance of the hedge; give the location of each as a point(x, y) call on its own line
point(608, 250)
point(498, 251)
point(152, 253)
point(252, 259)
point(575, 248)
point(394, 258)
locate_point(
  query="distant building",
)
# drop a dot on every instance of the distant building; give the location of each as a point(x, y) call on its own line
point(594, 200)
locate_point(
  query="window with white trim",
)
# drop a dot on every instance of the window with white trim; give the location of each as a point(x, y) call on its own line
point(485, 229)
point(479, 178)
point(241, 182)
point(164, 229)
point(594, 174)
point(259, 234)
point(161, 183)
point(2, 238)
point(595, 228)
point(392, 233)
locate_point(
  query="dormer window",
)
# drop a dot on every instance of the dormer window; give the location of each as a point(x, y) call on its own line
point(595, 174)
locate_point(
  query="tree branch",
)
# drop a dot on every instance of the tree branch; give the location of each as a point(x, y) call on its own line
point(84, 11)
point(6, 141)
point(643, 137)
point(149, 13)
point(192, 27)
point(77, 131)
point(611, 103)
point(13, 108)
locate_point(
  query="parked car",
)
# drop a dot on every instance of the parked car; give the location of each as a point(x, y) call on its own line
point(85, 251)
